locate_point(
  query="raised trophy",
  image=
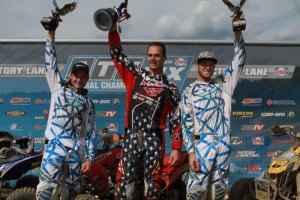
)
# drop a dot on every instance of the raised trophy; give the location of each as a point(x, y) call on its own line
point(105, 18)
point(50, 23)
point(239, 23)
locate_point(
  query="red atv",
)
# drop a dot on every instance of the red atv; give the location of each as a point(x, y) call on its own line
point(100, 182)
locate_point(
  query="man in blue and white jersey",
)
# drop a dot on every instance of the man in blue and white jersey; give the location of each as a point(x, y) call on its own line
point(70, 131)
point(206, 112)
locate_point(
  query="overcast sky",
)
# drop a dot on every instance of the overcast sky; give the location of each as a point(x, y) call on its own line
point(267, 20)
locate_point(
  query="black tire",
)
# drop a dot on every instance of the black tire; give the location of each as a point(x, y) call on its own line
point(27, 181)
point(86, 197)
point(242, 189)
point(25, 193)
point(178, 191)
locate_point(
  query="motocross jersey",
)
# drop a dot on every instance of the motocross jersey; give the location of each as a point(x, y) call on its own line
point(149, 99)
point(71, 120)
point(206, 112)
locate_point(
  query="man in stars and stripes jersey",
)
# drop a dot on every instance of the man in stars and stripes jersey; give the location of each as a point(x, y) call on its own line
point(70, 131)
point(206, 112)
point(150, 99)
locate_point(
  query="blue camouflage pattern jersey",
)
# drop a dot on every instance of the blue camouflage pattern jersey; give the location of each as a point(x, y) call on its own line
point(206, 112)
point(70, 130)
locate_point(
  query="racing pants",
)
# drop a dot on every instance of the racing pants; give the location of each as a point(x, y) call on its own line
point(55, 157)
point(143, 153)
point(213, 154)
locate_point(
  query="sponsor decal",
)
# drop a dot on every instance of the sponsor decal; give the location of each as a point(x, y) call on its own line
point(38, 127)
point(45, 111)
point(273, 114)
point(236, 140)
point(258, 140)
point(106, 114)
point(20, 100)
point(152, 88)
point(252, 127)
point(254, 168)
point(112, 126)
point(252, 101)
point(281, 102)
point(153, 92)
point(45, 114)
point(104, 76)
point(243, 113)
point(282, 141)
point(40, 117)
point(15, 127)
point(281, 71)
point(291, 114)
point(247, 154)
point(15, 113)
point(101, 101)
point(145, 99)
point(39, 101)
point(183, 62)
point(116, 101)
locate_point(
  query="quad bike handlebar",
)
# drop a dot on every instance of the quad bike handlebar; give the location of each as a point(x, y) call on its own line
point(24, 145)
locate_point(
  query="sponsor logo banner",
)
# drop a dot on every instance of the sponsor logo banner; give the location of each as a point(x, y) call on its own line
point(256, 71)
point(104, 76)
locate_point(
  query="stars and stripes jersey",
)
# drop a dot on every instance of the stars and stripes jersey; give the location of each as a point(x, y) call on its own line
point(206, 107)
point(71, 120)
point(150, 99)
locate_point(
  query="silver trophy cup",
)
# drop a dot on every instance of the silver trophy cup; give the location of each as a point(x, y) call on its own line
point(104, 19)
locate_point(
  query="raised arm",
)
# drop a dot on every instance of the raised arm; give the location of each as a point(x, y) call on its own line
point(233, 71)
point(51, 68)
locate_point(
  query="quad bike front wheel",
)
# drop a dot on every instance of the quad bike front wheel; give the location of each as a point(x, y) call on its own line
point(24, 193)
point(177, 191)
point(242, 189)
point(27, 181)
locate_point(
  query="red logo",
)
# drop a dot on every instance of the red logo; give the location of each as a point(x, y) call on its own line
point(112, 126)
point(152, 92)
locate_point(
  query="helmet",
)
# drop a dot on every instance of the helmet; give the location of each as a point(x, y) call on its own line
point(6, 145)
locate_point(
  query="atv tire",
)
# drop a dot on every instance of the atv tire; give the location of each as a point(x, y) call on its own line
point(242, 189)
point(86, 197)
point(27, 181)
point(24, 193)
point(176, 192)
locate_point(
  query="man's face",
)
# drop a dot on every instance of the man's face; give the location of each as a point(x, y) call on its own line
point(79, 79)
point(206, 69)
point(155, 59)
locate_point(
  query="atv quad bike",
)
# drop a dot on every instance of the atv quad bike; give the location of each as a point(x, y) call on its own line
point(13, 175)
point(279, 130)
point(281, 181)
